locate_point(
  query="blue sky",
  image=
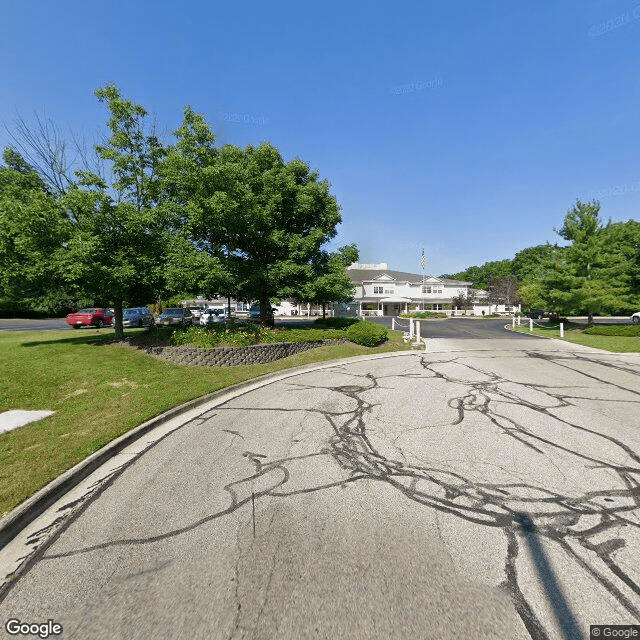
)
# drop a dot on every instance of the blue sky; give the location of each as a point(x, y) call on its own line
point(465, 129)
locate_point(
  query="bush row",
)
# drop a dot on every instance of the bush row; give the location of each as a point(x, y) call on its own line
point(336, 323)
point(631, 330)
point(364, 333)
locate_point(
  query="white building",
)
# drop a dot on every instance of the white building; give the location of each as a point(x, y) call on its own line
point(382, 292)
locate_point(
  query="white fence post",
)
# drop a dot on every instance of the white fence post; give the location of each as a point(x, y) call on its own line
point(531, 324)
point(518, 320)
point(417, 330)
point(393, 324)
point(411, 328)
point(513, 322)
point(562, 329)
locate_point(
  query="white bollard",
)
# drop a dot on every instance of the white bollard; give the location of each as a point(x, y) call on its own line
point(411, 328)
point(562, 329)
point(417, 330)
point(513, 322)
point(393, 324)
point(531, 325)
point(518, 320)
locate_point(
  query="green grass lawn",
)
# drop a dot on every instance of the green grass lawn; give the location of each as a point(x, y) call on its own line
point(100, 391)
point(576, 333)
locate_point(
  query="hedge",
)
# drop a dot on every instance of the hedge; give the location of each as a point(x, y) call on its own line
point(630, 330)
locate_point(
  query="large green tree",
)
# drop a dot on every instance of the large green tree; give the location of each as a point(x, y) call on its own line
point(284, 217)
point(33, 234)
point(257, 222)
point(586, 277)
point(330, 281)
point(203, 187)
point(117, 249)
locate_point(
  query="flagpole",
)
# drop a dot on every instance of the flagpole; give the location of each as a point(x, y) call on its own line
point(422, 262)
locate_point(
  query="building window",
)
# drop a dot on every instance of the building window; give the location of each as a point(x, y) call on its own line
point(389, 291)
point(378, 290)
point(426, 289)
point(436, 307)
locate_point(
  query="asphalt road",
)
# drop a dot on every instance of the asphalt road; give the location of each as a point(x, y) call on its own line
point(458, 328)
point(431, 328)
point(11, 324)
point(482, 489)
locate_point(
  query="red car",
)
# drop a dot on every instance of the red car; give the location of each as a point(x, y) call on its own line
point(88, 317)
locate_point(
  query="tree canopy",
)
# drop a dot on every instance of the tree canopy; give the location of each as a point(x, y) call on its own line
point(166, 218)
point(589, 275)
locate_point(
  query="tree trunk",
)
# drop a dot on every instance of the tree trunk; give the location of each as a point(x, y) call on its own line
point(266, 319)
point(118, 319)
point(589, 318)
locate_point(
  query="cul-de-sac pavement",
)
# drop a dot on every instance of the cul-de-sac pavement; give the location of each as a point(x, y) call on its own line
point(483, 488)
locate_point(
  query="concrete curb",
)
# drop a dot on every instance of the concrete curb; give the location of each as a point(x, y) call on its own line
point(16, 520)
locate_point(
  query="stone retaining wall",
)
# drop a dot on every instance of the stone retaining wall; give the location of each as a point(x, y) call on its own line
point(234, 356)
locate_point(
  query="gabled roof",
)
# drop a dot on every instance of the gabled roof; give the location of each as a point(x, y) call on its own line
point(358, 276)
point(385, 277)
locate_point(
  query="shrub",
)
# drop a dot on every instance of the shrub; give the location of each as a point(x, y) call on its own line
point(630, 330)
point(367, 333)
point(239, 335)
point(336, 323)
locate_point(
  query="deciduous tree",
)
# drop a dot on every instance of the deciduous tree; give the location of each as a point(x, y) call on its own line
point(117, 249)
point(330, 281)
point(33, 233)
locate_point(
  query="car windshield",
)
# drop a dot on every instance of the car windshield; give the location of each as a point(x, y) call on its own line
point(172, 312)
point(130, 312)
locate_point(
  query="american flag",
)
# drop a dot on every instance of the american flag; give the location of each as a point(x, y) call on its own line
point(422, 260)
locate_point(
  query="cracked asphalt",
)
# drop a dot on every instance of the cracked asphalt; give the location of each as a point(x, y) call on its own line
point(483, 489)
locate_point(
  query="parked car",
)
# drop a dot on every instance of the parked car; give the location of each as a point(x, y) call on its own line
point(213, 316)
point(137, 317)
point(254, 311)
point(535, 314)
point(90, 317)
point(196, 312)
point(175, 316)
point(635, 318)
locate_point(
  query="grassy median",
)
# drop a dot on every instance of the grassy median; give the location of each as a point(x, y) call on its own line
point(100, 391)
point(577, 333)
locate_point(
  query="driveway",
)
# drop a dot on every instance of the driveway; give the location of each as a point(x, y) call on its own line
point(483, 489)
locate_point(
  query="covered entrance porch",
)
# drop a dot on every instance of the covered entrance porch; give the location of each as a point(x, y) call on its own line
point(394, 306)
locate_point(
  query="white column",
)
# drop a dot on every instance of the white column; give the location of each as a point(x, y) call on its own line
point(562, 329)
